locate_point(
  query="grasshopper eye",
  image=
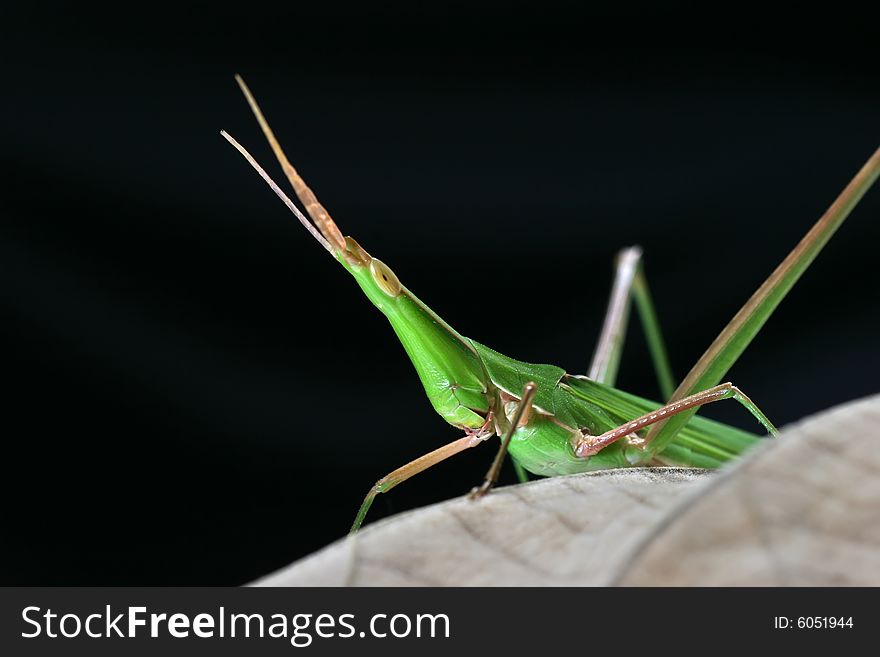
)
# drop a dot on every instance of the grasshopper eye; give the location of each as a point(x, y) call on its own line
point(384, 277)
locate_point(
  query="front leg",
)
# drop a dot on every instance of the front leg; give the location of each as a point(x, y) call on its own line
point(392, 479)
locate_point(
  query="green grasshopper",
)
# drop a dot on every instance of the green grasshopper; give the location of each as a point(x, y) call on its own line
point(552, 422)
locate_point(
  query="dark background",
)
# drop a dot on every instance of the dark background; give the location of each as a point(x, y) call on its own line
point(197, 394)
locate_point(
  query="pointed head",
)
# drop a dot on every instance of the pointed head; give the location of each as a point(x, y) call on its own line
point(447, 363)
point(376, 278)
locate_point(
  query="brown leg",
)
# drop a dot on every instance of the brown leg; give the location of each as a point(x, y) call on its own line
point(630, 283)
point(413, 468)
point(589, 445)
point(606, 357)
point(525, 405)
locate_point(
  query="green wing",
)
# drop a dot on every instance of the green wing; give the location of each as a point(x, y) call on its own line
point(581, 403)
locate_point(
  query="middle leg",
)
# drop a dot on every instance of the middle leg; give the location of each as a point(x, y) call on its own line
point(522, 413)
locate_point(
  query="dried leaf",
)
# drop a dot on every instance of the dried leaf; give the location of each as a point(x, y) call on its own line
point(803, 510)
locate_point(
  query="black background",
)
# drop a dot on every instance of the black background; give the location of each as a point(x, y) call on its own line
point(197, 394)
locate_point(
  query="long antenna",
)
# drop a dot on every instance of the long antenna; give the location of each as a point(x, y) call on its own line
point(265, 176)
point(316, 211)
